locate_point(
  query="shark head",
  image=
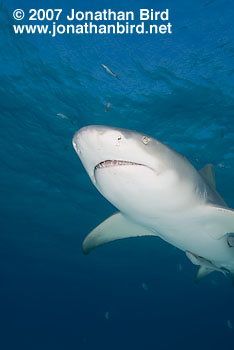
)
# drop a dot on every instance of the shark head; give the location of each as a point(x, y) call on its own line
point(158, 193)
point(135, 172)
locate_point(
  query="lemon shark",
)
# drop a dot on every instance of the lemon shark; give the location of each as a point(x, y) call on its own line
point(158, 193)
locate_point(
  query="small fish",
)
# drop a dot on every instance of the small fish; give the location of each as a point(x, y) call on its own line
point(180, 267)
point(107, 107)
point(221, 165)
point(108, 70)
point(107, 316)
point(229, 323)
point(144, 286)
point(63, 116)
point(230, 240)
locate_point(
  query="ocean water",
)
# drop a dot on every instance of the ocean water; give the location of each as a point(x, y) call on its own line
point(130, 294)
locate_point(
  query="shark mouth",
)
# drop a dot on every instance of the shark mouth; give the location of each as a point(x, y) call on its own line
point(113, 163)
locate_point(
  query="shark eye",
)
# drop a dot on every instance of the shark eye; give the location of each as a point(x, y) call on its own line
point(145, 140)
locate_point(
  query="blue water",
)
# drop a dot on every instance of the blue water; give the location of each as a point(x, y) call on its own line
point(178, 88)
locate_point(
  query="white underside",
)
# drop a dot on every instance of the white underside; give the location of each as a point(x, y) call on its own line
point(192, 231)
point(170, 211)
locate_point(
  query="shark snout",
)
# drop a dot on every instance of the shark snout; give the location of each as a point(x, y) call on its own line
point(95, 138)
point(97, 144)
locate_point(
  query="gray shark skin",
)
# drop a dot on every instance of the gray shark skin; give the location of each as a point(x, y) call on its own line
point(158, 193)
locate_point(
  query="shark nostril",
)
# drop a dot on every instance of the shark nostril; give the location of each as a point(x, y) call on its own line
point(76, 148)
point(117, 142)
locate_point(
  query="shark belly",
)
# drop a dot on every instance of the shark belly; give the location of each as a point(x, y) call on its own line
point(187, 233)
point(178, 214)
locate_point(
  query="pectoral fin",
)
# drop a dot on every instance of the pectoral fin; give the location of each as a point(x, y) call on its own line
point(115, 227)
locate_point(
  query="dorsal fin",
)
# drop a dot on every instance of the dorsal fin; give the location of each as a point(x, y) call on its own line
point(209, 174)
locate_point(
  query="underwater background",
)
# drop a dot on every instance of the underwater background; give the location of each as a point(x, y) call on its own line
point(179, 88)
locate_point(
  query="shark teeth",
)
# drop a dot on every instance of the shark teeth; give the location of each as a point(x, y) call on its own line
point(112, 163)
